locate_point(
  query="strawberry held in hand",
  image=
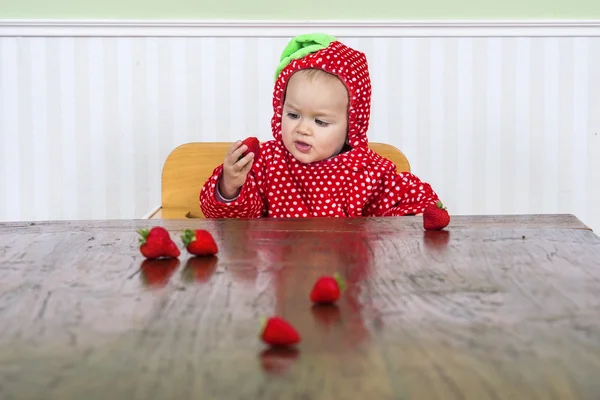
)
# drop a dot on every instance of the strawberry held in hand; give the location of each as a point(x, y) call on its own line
point(276, 331)
point(435, 217)
point(253, 147)
point(327, 289)
point(199, 242)
point(157, 243)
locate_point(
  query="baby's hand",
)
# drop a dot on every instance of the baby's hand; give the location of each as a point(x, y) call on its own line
point(234, 171)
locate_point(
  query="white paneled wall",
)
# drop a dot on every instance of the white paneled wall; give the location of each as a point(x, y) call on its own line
point(498, 125)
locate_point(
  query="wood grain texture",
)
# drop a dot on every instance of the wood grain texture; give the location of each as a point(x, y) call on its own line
point(189, 166)
point(502, 313)
point(529, 221)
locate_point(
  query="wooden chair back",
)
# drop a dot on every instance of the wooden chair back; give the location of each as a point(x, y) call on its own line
point(189, 166)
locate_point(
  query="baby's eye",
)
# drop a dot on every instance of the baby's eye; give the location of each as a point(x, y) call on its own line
point(292, 115)
point(321, 123)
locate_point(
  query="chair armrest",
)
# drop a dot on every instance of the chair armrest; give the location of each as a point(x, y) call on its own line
point(153, 214)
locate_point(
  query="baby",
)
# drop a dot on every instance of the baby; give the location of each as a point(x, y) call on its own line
point(318, 163)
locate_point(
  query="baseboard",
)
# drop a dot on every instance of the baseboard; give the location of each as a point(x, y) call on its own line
point(249, 28)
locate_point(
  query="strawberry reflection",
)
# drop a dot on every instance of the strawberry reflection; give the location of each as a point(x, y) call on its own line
point(299, 258)
point(326, 316)
point(436, 241)
point(199, 269)
point(245, 273)
point(277, 360)
point(355, 309)
point(294, 254)
point(156, 273)
point(238, 253)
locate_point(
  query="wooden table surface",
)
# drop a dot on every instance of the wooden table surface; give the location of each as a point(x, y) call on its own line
point(491, 308)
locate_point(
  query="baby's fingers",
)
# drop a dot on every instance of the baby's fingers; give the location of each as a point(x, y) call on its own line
point(234, 157)
point(244, 164)
point(233, 148)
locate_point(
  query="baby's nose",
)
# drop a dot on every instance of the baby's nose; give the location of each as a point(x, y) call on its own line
point(304, 129)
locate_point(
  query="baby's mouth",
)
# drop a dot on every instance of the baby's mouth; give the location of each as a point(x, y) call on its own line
point(302, 147)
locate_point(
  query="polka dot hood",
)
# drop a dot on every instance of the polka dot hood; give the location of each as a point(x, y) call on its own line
point(350, 66)
point(356, 182)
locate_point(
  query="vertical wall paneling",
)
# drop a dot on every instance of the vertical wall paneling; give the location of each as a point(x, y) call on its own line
point(495, 124)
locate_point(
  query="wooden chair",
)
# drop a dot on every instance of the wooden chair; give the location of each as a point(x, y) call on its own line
point(189, 166)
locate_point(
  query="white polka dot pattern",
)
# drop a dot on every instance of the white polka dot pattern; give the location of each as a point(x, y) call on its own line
point(355, 183)
point(352, 68)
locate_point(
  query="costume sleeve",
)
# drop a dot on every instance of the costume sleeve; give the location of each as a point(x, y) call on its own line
point(248, 203)
point(220, 197)
point(400, 194)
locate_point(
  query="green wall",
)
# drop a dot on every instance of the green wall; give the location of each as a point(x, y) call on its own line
point(309, 9)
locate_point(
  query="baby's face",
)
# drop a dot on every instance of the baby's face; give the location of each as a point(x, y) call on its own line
point(315, 116)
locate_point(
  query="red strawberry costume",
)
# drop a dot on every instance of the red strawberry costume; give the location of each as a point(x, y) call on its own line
point(356, 182)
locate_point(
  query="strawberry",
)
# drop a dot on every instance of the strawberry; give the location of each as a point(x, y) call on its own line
point(157, 243)
point(435, 217)
point(276, 331)
point(199, 242)
point(253, 146)
point(327, 289)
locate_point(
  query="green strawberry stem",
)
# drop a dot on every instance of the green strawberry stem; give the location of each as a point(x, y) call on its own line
point(340, 281)
point(188, 237)
point(263, 325)
point(439, 204)
point(143, 235)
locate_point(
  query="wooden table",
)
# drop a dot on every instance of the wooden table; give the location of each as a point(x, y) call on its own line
point(492, 308)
